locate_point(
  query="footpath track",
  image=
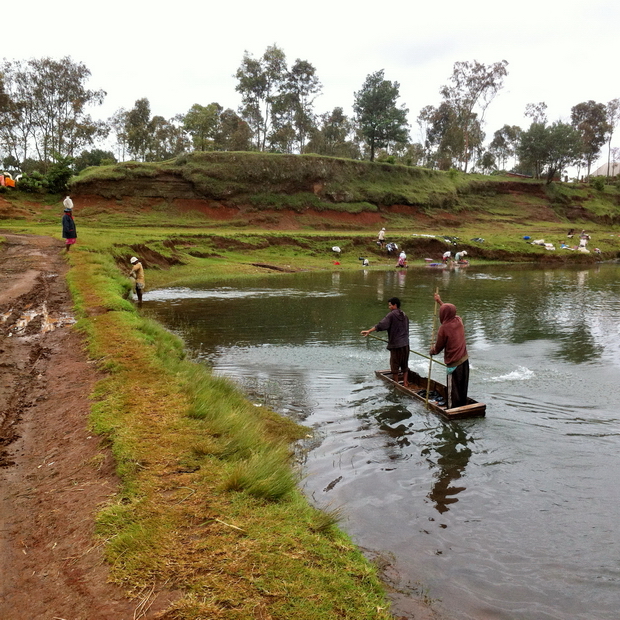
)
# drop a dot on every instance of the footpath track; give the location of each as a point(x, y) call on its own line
point(54, 474)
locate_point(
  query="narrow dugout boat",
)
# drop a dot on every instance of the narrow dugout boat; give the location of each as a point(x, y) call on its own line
point(417, 390)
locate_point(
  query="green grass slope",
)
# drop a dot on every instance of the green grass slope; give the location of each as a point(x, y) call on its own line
point(306, 183)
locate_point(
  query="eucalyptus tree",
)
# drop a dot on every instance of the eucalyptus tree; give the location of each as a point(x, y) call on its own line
point(504, 143)
point(47, 108)
point(445, 141)
point(487, 162)
point(334, 135)
point(252, 87)
point(4, 98)
point(282, 137)
point(138, 129)
point(615, 156)
point(118, 125)
point(17, 124)
point(413, 155)
point(167, 139)
point(301, 88)
point(202, 123)
point(564, 149)
point(549, 149)
point(537, 112)
point(5, 102)
point(532, 149)
point(472, 85)
point(444, 138)
point(9, 140)
point(259, 84)
point(590, 120)
point(424, 121)
point(233, 133)
point(380, 121)
point(613, 116)
point(63, 126)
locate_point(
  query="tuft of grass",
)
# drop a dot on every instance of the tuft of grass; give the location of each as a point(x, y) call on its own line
point(327, 519)
point(266, 475)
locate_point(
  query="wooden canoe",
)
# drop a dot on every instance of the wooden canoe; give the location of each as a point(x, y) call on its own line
point(473, 409)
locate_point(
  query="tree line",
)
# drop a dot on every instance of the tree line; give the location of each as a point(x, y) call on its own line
point(45, 124)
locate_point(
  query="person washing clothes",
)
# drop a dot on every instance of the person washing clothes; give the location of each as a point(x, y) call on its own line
point(137, 272)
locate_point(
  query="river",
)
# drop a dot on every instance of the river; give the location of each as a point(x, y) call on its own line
point(510, 517)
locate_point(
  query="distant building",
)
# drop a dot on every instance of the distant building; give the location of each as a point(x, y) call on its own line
point(601, 171)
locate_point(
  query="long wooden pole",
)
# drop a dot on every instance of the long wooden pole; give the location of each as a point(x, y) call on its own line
point(430, 364)
point(412, 351)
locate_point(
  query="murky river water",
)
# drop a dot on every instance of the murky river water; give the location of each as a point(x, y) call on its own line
point(514, 516)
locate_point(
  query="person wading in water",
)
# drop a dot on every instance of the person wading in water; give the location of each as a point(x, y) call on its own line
point(137, 272)
point(396, 323)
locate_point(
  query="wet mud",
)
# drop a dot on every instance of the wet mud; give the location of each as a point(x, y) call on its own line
point(54, 473)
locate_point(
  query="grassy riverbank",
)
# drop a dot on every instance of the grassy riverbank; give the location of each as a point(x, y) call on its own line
point(209, 509)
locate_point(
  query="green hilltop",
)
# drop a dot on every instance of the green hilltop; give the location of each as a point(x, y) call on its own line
point(263, 181)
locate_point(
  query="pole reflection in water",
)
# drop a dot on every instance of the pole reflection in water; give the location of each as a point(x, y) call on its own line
point(510, 517)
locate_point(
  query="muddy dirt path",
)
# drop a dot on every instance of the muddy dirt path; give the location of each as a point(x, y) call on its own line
point(54, 474)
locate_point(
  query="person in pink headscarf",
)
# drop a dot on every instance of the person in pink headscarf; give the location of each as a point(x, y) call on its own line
point(451, 340)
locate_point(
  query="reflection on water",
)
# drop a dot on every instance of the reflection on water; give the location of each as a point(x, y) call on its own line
point(451, 446)
point(511, 517)
point(446, 452)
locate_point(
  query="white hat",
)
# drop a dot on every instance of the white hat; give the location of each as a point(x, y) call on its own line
point(383, 229)
point(133, 259)
point(464, 252)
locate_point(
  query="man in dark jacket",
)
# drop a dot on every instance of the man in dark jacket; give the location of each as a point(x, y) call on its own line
point(396, 324)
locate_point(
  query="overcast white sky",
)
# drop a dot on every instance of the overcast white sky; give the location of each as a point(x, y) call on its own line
point(185, 52)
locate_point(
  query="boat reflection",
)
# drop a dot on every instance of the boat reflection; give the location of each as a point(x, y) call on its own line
point(450, 454)
point(445, 448)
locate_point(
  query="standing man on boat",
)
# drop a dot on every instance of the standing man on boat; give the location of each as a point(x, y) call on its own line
point(396, 323)
point(451, 340)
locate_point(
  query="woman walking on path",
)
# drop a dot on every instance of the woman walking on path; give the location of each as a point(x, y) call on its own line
point(68, 225)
